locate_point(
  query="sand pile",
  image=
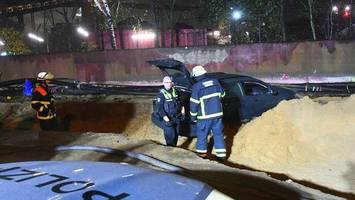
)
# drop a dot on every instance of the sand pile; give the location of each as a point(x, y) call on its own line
point(304, 139)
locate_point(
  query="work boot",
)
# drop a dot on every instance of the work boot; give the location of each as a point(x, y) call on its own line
point(202, 155)
point(221, 159)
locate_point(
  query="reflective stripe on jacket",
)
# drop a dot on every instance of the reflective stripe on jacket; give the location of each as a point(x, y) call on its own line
point(205, 101)
point(43, 102)
point(168, 103)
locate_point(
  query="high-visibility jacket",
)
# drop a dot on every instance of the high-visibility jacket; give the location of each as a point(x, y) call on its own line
point(43, 102)
point(205, 101)
point(168, 103)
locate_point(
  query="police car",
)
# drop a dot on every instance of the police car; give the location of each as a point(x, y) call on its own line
point(246, 97)
point(89, 180)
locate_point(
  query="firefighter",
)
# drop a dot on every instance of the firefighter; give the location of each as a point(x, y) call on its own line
point(43, 102)
point(168, 112)
point(206, 111)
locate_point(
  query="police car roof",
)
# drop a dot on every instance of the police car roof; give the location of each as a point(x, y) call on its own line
point(85, 179)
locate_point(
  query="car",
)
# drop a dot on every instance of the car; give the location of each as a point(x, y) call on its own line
point(92, 180)
point(246, 97)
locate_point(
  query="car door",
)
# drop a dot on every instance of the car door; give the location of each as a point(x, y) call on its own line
point(231, 101)
point(258, 98)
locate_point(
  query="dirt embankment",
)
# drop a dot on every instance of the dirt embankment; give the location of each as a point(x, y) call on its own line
point(307, 140)
point(112, 114)
point(127, 115)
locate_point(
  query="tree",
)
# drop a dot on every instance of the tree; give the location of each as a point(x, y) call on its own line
point(65, 31)
point(309, 8)
point(309, 11)
point(13, 40)
point(118, 14)
point(282, 19)
point(217, 16)
point(260, 21)
point(172, 22)
point(155, 11)
point(104, 7)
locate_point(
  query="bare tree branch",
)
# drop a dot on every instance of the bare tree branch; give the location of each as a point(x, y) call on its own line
point(74, 13)
point(304, 5)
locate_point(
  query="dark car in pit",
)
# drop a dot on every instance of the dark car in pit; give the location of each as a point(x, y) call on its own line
point(246, 97)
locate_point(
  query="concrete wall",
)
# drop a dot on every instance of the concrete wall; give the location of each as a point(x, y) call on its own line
point(261, 60)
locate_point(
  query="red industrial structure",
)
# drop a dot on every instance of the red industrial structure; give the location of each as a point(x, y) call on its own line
point(147, 39)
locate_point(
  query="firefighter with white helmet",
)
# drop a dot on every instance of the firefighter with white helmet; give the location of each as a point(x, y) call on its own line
point(206, 111)
point(43, 102)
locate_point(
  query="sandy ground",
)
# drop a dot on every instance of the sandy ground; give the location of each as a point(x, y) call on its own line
point(237, 183)
point(304, 139)
point(292, 148)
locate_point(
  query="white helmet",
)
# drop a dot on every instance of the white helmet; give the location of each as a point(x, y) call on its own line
point(45, 76)
point(198, 71)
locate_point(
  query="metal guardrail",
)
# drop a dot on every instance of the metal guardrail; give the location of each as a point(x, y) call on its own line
point(322, 88)
point(73, 87)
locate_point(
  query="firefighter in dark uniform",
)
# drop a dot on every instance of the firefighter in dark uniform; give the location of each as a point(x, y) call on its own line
point(206, 111)
point(43, 102)
point(169, 112)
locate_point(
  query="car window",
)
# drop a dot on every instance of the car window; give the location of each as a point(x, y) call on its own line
point(254, 88)
point(179, 77)
point(232, 88)
point(174, 72)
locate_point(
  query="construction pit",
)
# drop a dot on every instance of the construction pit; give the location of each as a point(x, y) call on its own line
point(301, 149)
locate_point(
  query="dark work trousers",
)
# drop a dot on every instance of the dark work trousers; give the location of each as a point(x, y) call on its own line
point(171, 130)
point(171, 134)
point(203, 129)
point(48, 125)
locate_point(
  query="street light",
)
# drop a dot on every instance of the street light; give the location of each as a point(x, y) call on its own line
point(346, 15)
point(237, 14)
point(347, 8)
point(335, 9)
point(82, 31)
point(2, 43)
point(347, 11)
point(35, 37)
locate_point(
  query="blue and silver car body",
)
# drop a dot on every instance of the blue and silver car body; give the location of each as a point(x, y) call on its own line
point(88, 180)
